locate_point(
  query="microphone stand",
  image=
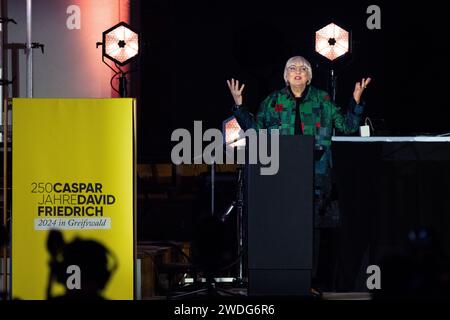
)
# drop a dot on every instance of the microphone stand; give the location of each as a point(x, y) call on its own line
point(240, 210)
point(213, 171)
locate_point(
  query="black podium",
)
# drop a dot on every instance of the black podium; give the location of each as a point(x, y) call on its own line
point(280, 221)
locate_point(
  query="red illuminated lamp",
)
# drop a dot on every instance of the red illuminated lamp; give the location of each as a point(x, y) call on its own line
point(233, 133)
point(332, 41)
point(120, 43)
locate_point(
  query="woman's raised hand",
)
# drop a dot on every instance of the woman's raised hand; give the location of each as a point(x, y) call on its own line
point(359, 88)
point(236, 92)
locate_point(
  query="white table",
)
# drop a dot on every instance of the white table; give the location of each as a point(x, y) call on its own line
point(391, 139)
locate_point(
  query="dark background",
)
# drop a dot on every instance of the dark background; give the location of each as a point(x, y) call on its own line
point(192, 47)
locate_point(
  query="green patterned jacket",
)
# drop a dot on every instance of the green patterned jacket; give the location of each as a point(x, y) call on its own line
point(319, 115)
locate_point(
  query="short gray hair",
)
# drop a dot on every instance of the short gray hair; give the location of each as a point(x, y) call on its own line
point(302, 61)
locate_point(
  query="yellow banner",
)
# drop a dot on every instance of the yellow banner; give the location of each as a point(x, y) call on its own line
point(73, 171)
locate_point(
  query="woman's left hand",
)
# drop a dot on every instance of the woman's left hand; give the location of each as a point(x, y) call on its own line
point(359, 88)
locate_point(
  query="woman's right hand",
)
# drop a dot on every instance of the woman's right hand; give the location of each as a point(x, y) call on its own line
point(236, 92)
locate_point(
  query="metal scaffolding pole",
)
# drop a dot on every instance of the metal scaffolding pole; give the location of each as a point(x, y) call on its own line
point(5, 93)
point(29, 52)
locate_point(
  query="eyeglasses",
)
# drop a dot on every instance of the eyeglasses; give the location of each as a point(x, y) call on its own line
point(299, 69)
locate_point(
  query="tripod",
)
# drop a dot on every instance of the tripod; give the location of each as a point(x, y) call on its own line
point(208, 260)
point(239, 205)
point(211, 290)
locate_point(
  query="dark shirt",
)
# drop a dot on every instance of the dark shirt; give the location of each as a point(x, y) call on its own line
point(298, 122)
